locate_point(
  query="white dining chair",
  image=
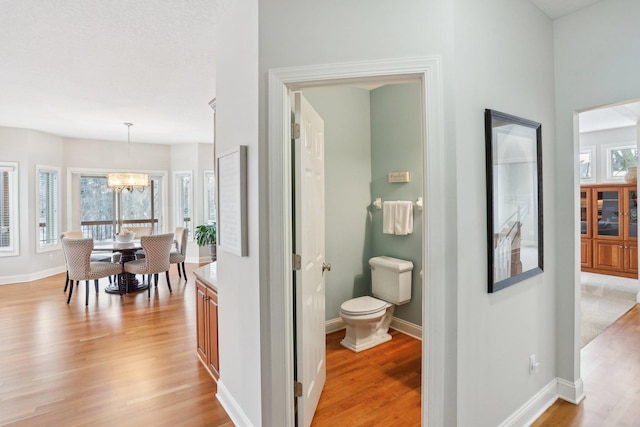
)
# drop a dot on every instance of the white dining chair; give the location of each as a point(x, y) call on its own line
point(157, 249)
point(77, 253)
point(95, 257)
point(178, 257)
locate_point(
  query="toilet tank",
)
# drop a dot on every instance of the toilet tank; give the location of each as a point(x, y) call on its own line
point(391, 279)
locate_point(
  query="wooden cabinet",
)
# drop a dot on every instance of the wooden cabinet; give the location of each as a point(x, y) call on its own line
point(609, 229)
point(207, 328)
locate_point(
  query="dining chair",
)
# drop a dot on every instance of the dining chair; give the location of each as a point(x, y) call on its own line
point(178, 257)
point(157, 249)
point(95, 257)
point(138, 232)
point(77, 253)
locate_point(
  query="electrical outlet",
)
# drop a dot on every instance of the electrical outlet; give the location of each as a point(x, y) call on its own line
point(534, 365)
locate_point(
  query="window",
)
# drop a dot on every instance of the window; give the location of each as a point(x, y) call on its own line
point(209, 197)
point(587, 164)
point(48, 206)
point(619, 159)
point(102, 210)
point(9, 245)
point(183, 194)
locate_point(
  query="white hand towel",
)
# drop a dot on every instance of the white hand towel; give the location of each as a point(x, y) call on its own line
point(388, 217)
point(404, 218)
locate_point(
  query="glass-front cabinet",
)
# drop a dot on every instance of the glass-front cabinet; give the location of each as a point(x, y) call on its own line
point(631, 213)
point(585, 211)
point(608, 214)
point(609, 229)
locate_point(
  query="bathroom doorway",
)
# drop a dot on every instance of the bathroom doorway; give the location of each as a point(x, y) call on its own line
point(279, 331)
point(371, 134)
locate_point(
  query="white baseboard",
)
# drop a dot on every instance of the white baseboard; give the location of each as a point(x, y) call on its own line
point(407, 328)
point(399, 325)
point(571, 392)
point(334, 325)
point(197, 260)
point(21, 278)
point(231, 407)
point(541, 401)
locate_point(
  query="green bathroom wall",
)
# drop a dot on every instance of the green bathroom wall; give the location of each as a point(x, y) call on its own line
point(367, 135)
point(396, 146)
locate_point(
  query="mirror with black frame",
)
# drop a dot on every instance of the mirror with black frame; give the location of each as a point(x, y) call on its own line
point(514, 199)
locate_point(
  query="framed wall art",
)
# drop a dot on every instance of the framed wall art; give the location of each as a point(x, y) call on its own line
point(514, 199)
point(231, 173)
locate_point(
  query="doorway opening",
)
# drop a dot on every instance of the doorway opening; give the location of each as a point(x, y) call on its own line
point(608, 157)
point(369, 131)
point(281, 84)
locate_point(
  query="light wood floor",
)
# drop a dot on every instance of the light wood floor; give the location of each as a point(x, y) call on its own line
point(130, 361)
point(124, 361)
point(611, 375)
point(375, 387)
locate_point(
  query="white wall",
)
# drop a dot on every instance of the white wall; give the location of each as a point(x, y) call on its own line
point(504, 61)
point(31, 148)
point(237, 103)
point(301, 33)
point(195, 158)
point(596, 64)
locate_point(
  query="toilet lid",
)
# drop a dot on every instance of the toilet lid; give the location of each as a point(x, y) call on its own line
point(362, 305)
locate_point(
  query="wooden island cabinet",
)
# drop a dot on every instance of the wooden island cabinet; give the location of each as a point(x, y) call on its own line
point(207, 318)
point(609, 229)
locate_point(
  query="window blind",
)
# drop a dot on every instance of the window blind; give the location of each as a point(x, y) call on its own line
point(48, 200)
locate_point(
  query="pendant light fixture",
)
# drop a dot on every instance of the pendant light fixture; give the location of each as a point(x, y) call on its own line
point(119, 181)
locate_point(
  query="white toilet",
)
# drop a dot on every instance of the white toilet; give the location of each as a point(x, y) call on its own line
point(368, 318)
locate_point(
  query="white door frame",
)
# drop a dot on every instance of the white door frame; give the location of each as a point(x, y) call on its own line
point(277, 324)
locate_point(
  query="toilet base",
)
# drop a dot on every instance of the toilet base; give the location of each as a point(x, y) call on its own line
point(364, 345)
point(364, 334)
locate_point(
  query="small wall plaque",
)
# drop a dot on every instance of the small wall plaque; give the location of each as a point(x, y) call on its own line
point(399, 177)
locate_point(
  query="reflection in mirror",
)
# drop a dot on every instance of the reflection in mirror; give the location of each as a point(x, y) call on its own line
point(514, 202)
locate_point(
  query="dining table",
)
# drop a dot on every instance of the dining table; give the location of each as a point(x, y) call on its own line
point(126, 282)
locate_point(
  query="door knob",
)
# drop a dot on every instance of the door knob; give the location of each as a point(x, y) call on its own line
point(326, 267)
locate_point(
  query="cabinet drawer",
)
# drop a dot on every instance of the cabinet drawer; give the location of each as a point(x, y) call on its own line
point(608, 255)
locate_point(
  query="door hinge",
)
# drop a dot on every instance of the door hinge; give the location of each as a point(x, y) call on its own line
point(297, 262)
point(297, 389)
point(295, 130)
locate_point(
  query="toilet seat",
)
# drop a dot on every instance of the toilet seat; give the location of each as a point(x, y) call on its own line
point(362, 306)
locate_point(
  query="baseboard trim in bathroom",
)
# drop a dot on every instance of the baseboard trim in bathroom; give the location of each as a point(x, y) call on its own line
point(334, 325)
point(407, 328)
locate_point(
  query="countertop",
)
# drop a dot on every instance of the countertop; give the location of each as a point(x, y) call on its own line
point(208, 275)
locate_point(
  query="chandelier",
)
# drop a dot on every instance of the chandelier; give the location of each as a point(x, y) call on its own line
point(119, 181)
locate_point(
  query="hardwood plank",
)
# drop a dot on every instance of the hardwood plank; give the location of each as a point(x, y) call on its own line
point(132, 361)
point(120, 361)
point(376, 387)
point(611, 376)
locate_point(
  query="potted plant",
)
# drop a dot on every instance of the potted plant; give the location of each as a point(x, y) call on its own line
point(205, 235)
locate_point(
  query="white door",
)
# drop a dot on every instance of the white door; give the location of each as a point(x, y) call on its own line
point(309, 244)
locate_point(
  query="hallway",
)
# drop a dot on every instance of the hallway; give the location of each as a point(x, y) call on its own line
point(611, 375)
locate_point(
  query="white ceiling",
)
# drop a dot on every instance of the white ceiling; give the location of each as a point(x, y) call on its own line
point(81, 68)
point(557, 8)
point(618, 116)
